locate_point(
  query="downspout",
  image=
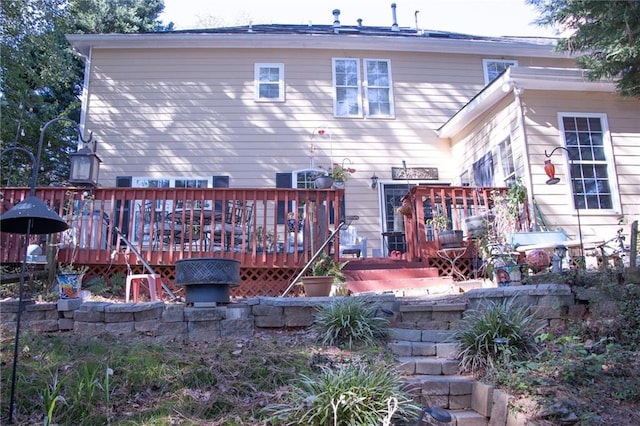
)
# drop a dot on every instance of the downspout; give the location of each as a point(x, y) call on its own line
point(517, 92)
point(85, 87)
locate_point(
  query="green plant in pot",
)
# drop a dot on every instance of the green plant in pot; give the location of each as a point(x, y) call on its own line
point(448, 238)
point(325, 271)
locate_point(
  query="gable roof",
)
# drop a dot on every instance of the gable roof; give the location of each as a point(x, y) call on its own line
point(321, 37)
point(522, 78)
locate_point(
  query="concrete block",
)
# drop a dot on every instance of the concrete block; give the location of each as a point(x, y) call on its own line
point(275, 321)
point(468, 418)
point(447, 350)
point(88, 328)
point(118, 317)
point(430, 366)
point(423, 349)
point(68, 304)
point(435, 385)
point(173, 313)
point(204, 314)
point(407, 365)
point(450, 366)
point(266, 310)
point(499, 409)
point(401, 348)
point(405, 334)
point(482, 398)
point(236, 328)
point(437, 336)
point(42, 325)
point(459, 402)
point(119, 328)
point(65, 324)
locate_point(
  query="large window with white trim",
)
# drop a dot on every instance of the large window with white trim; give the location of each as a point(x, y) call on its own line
point(591, 162)
point(507, 170)
point(369, 94)
point(269, 82)
point(494, 67)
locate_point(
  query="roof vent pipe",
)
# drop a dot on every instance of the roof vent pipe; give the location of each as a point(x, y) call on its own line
point(415, 14)
point(336, 18)
point(394, 27)
point(359, 22)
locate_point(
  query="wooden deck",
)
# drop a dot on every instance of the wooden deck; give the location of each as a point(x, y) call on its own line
point(272, 232)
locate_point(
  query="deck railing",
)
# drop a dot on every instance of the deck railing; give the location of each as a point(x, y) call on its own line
point(458, 204)
point(261, 227)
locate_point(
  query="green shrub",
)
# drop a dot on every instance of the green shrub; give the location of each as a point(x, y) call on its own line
point(350, 320)
point(497, 332)
point(351, 395)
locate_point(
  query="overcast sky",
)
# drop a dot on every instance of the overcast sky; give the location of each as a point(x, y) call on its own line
point(478, 17)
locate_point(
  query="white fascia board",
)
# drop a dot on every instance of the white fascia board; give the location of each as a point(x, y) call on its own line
point(523, 78)
point(502, 47)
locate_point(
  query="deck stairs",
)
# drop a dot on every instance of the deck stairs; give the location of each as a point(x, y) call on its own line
point(420, 338)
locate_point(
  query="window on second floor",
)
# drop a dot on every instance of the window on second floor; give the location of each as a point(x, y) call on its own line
point(269, 82)
point(590, 156)
point(350, 87)
point(494, 67)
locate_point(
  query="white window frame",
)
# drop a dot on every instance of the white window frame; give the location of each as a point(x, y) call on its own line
point(609, 161)
point(370, 86)
point(337, 108)
point(258, 83)
point(167, 207)
point(490, 74)
point(506, 177)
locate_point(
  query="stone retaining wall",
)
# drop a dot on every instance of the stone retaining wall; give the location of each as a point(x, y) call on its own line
point(176, 321)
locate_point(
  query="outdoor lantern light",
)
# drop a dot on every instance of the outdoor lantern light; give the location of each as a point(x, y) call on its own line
point(84, 167)
point(374, 181)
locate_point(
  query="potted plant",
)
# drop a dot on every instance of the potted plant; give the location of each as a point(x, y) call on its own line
point(325, 271)
point(340, 174)
point(69, 279)
point(322, 180)
point(448, 238)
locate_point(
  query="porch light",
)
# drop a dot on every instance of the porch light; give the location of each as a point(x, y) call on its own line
point(84, 167)
point(374, 181)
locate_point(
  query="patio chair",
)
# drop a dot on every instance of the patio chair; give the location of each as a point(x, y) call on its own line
point(351, 243)
point(235, 227)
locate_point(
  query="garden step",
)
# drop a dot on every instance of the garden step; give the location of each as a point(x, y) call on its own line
point(428, 365)
point(427, 349)
point(467, 418)
point(401, 286)
point(388, 273)
point(413, 335)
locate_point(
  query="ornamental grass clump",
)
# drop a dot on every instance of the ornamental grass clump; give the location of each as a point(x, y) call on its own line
point(498, 332)
point(356, 394)
point(350, 320)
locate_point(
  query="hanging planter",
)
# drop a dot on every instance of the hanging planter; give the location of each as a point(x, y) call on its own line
point(323, 182)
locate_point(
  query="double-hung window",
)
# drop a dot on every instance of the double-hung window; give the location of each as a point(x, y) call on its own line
point(507, 166)
point(269, 82)
point(369, 94)
point(378, 88)
point(494, 67)
point(590, 158)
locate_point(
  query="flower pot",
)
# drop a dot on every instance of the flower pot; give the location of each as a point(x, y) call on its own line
point(508, 275)
point(450, 239)
point(69, 285)
point(317, 286)
point(338, 184)
point(323, 182)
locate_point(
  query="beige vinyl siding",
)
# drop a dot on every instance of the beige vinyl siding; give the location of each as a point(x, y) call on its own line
point(191, 113)
point(624, 127)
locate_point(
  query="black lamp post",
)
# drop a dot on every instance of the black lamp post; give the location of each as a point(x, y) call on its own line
point(30, 216)
point(550, 169)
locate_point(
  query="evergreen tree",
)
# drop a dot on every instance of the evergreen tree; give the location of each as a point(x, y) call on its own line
point(41, 78)
point(606, 33)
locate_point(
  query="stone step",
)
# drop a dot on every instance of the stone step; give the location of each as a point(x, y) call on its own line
point(467, 418)
point(427, 349)
point(402, 287)
point(414, 335)
point(389, 274)
point(432, 366)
